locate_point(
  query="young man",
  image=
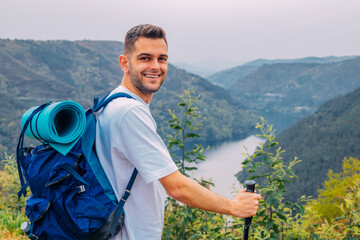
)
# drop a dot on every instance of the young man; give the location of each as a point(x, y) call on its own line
point(127, 139)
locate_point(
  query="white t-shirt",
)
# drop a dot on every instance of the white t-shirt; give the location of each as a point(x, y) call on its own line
point(126, 137)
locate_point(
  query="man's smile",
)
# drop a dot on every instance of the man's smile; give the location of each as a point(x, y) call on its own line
point(152, 76)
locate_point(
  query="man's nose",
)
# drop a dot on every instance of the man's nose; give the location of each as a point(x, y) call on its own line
point(155, 64)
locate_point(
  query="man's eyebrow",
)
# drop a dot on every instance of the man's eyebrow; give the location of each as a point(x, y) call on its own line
point(150, 55)
point(144, 54)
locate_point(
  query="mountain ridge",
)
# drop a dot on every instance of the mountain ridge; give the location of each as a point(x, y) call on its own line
point(228, 77)
point(311, 59)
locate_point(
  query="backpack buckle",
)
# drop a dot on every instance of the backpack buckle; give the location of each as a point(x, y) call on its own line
point(125, 195)
point(80, 189)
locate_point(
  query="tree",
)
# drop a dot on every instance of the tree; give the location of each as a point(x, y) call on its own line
point(274, 215)
point(184, 130)
point(333, 193)
point(181, 221)
point(337, 204)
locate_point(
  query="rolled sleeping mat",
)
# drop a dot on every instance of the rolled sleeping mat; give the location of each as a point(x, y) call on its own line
point(60, 124)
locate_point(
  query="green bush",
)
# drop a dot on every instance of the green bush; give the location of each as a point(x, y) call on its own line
point(12, 213)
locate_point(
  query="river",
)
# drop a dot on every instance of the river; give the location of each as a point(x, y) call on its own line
point(223, 162)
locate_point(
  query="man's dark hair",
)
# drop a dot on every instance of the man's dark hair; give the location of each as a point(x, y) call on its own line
point(143, 30)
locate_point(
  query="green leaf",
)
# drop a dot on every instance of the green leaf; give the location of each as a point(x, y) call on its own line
point(192, 135)
point(245, 162)
point(188, 123)
point(175, 126)
point(275, 163)
point(281, 216)
point(254, 177)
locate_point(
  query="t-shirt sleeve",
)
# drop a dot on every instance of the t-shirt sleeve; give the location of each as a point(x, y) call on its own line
point(143, 147)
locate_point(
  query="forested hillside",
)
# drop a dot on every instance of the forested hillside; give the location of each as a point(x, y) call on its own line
point(229, 77)
point(284, 91)
point(321, 141)
point(32, 72)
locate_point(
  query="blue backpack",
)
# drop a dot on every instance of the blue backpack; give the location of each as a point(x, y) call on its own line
point(71, 195)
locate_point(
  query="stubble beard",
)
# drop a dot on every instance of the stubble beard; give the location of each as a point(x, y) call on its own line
point(136, 79)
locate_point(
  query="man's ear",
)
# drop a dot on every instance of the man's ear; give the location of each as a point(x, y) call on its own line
point(124, 63)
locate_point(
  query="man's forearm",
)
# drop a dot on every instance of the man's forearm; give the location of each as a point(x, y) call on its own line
point(191, 193)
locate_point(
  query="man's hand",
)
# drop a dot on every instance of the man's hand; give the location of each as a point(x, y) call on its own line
point(245, 204)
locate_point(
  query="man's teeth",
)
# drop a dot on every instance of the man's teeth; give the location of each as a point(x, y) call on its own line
point(151, 76)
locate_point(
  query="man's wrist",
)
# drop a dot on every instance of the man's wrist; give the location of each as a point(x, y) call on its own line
point(231, 207)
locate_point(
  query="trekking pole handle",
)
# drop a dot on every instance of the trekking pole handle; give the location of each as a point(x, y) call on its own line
point(250, 186)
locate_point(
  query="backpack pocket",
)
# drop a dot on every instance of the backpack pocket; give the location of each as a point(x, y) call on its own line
point(36, 208)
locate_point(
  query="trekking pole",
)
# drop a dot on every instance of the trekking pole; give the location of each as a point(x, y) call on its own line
point(250, 187)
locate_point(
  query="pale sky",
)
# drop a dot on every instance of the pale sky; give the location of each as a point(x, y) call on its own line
point(218, 32)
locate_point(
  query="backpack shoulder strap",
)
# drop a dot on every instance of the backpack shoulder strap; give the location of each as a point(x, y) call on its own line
point(103, 102)
point(88, 141)
point(120, 208)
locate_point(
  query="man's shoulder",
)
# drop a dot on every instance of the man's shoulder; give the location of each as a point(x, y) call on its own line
point(124, 108)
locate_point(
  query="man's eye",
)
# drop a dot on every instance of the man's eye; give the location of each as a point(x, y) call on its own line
point(163, 59)
point(145, 58)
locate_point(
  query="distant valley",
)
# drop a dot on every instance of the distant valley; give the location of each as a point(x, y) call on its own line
point(284, 91)
point(321, 140)
point(313, 104)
